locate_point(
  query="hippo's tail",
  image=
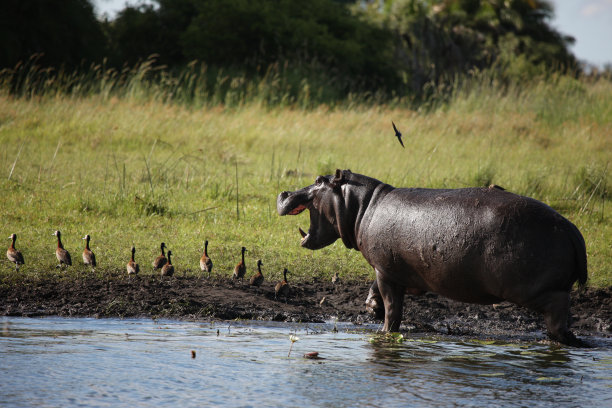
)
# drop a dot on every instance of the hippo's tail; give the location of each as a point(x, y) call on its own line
point(580, 273)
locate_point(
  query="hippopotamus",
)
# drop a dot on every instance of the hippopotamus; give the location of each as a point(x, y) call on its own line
point(478, 245)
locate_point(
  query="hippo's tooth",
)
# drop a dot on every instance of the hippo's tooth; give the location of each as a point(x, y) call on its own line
point(302, 233)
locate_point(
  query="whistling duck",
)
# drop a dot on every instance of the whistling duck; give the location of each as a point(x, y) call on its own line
point(282, 287)
point(62, 255)
point(168, 268)
point(161, 260)
point(132, 267)
point(14, 255)
point(335, 278)
point(240, 269)
point(258, 278)
point(205, 263)
point(88, 256)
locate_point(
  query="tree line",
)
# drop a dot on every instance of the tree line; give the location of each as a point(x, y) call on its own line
point(377, 45)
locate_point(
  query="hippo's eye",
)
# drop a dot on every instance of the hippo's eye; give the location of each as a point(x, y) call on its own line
point(320, 180)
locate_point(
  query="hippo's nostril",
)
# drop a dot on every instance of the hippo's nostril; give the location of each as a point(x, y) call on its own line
point(284, 195)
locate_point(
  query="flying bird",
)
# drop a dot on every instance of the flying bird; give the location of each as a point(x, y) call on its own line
point(397, 134)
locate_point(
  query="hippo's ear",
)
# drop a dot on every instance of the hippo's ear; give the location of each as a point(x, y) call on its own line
point(340, 177)
point(320, 180)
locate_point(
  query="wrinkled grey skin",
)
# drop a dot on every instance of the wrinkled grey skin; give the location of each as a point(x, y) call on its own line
point(477, 245)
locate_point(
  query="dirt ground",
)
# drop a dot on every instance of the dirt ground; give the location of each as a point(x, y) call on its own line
point(318, 301)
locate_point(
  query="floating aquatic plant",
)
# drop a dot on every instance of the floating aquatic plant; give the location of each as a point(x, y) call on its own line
point(293, 340)
point(388, 338)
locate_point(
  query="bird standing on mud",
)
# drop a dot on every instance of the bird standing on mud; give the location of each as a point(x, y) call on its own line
point(258, 278)
point(88, 256)
point(282, 287)
point(240, 269)
point(161, 260)
point(206, 264)
point(14, 255)
point(168, 268)
point(62, 255)
point(397, 134)
point(132, 267)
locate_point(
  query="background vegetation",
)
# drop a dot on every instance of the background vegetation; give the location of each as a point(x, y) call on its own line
point(242, 100)
point(128, 167)
point(385, 48)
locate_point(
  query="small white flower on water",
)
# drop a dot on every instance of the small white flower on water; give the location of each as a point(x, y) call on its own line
point(293, 338)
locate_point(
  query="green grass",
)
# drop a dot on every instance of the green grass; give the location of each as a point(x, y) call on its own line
point(128, 168)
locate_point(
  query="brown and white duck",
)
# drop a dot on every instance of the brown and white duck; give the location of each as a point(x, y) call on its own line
point(240, 269)
point(282, 287)
point(62, 255)
point(161, 260)
point(206, 264)
point(132, 267)
point(14, 255)
point(89, 258)
point(168, 268)
point(258, 278)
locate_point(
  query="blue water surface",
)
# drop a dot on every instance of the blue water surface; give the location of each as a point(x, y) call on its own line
point(66, 362)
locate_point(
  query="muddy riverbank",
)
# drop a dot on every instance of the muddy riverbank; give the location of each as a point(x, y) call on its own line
point(317, 301)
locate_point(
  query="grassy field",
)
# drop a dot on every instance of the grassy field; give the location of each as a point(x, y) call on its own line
point(130, 169)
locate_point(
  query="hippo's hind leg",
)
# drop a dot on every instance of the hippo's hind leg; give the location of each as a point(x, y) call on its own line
point(393, 299)
point(555, 308)
point(374, 302)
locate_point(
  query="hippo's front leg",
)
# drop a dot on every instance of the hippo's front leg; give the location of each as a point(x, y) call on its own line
point(393, 299)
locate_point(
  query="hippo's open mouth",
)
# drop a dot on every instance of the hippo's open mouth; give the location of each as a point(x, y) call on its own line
point(294, 203)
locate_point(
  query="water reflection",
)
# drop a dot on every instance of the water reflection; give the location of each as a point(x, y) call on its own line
point(481, 372)
point(64, 362)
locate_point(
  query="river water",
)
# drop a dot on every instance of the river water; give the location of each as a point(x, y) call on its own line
point(60, 362)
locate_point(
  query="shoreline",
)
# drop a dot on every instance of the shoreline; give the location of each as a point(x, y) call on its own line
point(194, 298)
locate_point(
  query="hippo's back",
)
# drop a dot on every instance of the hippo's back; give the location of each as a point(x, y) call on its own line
point(474, 244)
